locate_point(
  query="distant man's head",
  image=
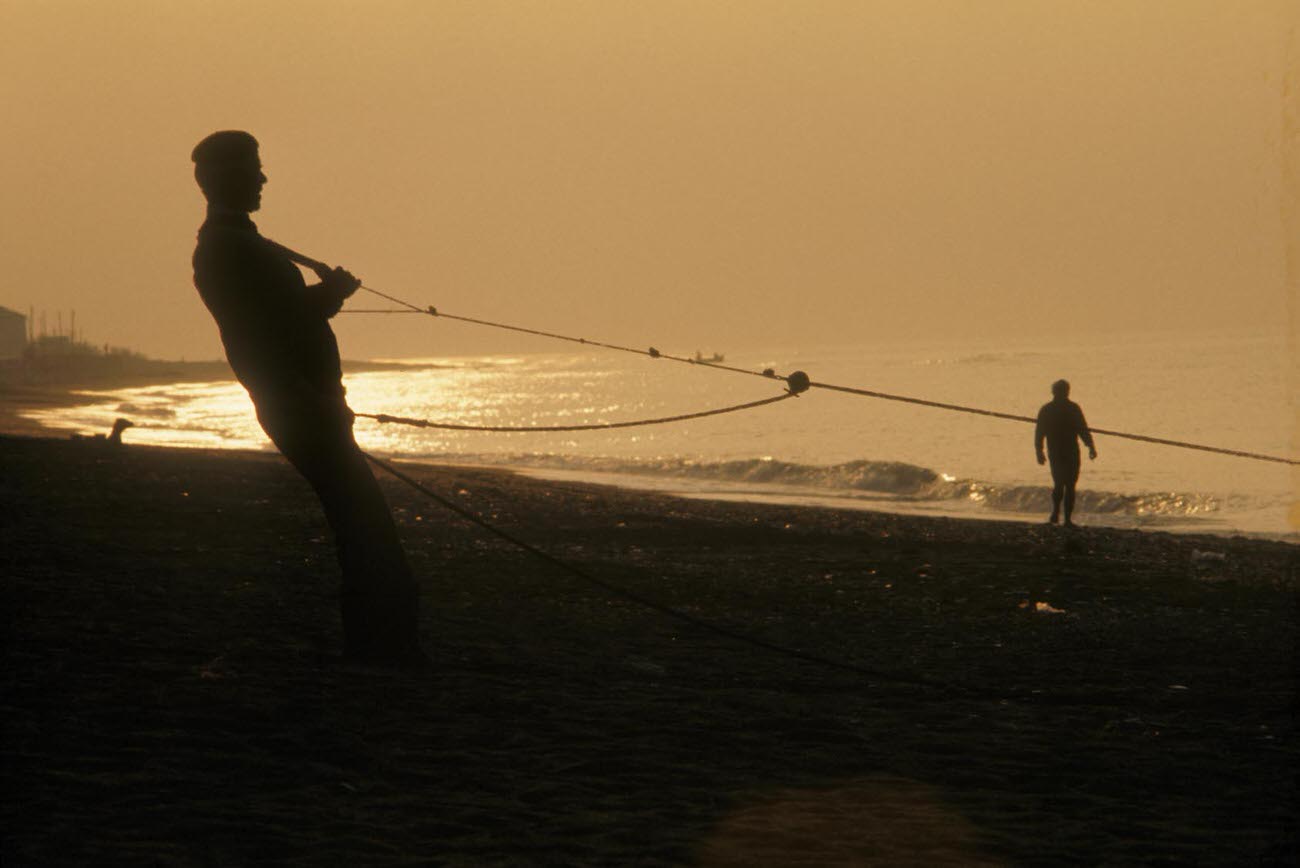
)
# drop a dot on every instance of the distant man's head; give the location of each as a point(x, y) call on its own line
point(229, 171)
point(1061, 389)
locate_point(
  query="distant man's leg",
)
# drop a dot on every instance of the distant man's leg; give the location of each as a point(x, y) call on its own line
point(1065, 473)
point(1058, 491)
point(1071, 481)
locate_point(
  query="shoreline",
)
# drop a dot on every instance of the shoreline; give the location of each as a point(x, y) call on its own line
point(885, 504)
point(171, 639)
point(18, 398)
point(22, 390)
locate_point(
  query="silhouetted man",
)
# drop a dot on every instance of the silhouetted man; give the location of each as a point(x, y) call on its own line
point(1061, 424)
point(277, 336)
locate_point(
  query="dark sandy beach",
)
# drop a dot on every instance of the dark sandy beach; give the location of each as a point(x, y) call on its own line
point(173, 694)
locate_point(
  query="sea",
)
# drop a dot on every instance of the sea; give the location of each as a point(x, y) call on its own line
point(827, 448)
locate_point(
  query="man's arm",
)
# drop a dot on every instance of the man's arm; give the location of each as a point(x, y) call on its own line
point(336, 286)
point(1086, 436)
point(1040, 434)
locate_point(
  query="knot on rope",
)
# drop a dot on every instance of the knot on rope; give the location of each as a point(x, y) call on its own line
point(798, 382)
point(431, 310)
point(654, 353)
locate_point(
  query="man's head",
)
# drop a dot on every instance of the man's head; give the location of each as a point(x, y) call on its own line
point(1061, 390)
point(229, 171)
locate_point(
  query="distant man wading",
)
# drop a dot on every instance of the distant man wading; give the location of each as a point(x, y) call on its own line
point(277, 336)
point(1061, 424)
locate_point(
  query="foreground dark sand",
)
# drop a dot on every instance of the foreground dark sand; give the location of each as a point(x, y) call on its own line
point(172, 693)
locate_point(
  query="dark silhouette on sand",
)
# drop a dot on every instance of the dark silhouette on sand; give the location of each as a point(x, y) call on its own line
point(1061, 424)
point(278, 340)
point(113, 438)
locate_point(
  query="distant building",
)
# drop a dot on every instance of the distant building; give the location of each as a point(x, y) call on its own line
point(13, 333)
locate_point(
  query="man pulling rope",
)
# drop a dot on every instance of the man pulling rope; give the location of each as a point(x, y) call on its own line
point(278, 339)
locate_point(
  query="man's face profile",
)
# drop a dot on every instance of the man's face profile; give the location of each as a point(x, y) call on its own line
point(229, 170)
point(239, 184)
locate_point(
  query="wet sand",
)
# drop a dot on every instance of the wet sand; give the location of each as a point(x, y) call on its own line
point(173, 694)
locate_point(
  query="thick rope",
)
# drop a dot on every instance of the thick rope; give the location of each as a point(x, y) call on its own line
point(425, 423)
point(979, 412)
point(379, 310)
point(850, 390)
point(656, 354)
point(652, 352)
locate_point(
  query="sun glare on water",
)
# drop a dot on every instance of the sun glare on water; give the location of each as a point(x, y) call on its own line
point(197, 415)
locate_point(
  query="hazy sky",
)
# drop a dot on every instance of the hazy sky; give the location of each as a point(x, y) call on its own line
point(687, 174)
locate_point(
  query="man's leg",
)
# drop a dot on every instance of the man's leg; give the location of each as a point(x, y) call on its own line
point(379, 599)
point(1072, 480)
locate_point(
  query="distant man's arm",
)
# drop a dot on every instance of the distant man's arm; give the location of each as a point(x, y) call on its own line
point(1040, 434)
point(1086, 436)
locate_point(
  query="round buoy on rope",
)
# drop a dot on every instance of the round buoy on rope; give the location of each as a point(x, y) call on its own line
point(798, 382)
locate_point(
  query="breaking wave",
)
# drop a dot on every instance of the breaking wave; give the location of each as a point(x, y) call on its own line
point(876, 479)
point(1034, 499)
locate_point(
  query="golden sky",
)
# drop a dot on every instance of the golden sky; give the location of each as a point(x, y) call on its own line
point(687, 174)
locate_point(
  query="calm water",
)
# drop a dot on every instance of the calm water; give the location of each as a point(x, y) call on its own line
point(826, 447)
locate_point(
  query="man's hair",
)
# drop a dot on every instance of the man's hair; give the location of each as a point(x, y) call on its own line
point(220, 150)
point(1061, 388)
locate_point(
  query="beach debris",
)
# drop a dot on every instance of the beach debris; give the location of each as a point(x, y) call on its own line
point(641, 664)
point(1209, 566)
point(215, 669)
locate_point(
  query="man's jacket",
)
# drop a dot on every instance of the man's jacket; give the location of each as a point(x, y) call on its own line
point(275, 329)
